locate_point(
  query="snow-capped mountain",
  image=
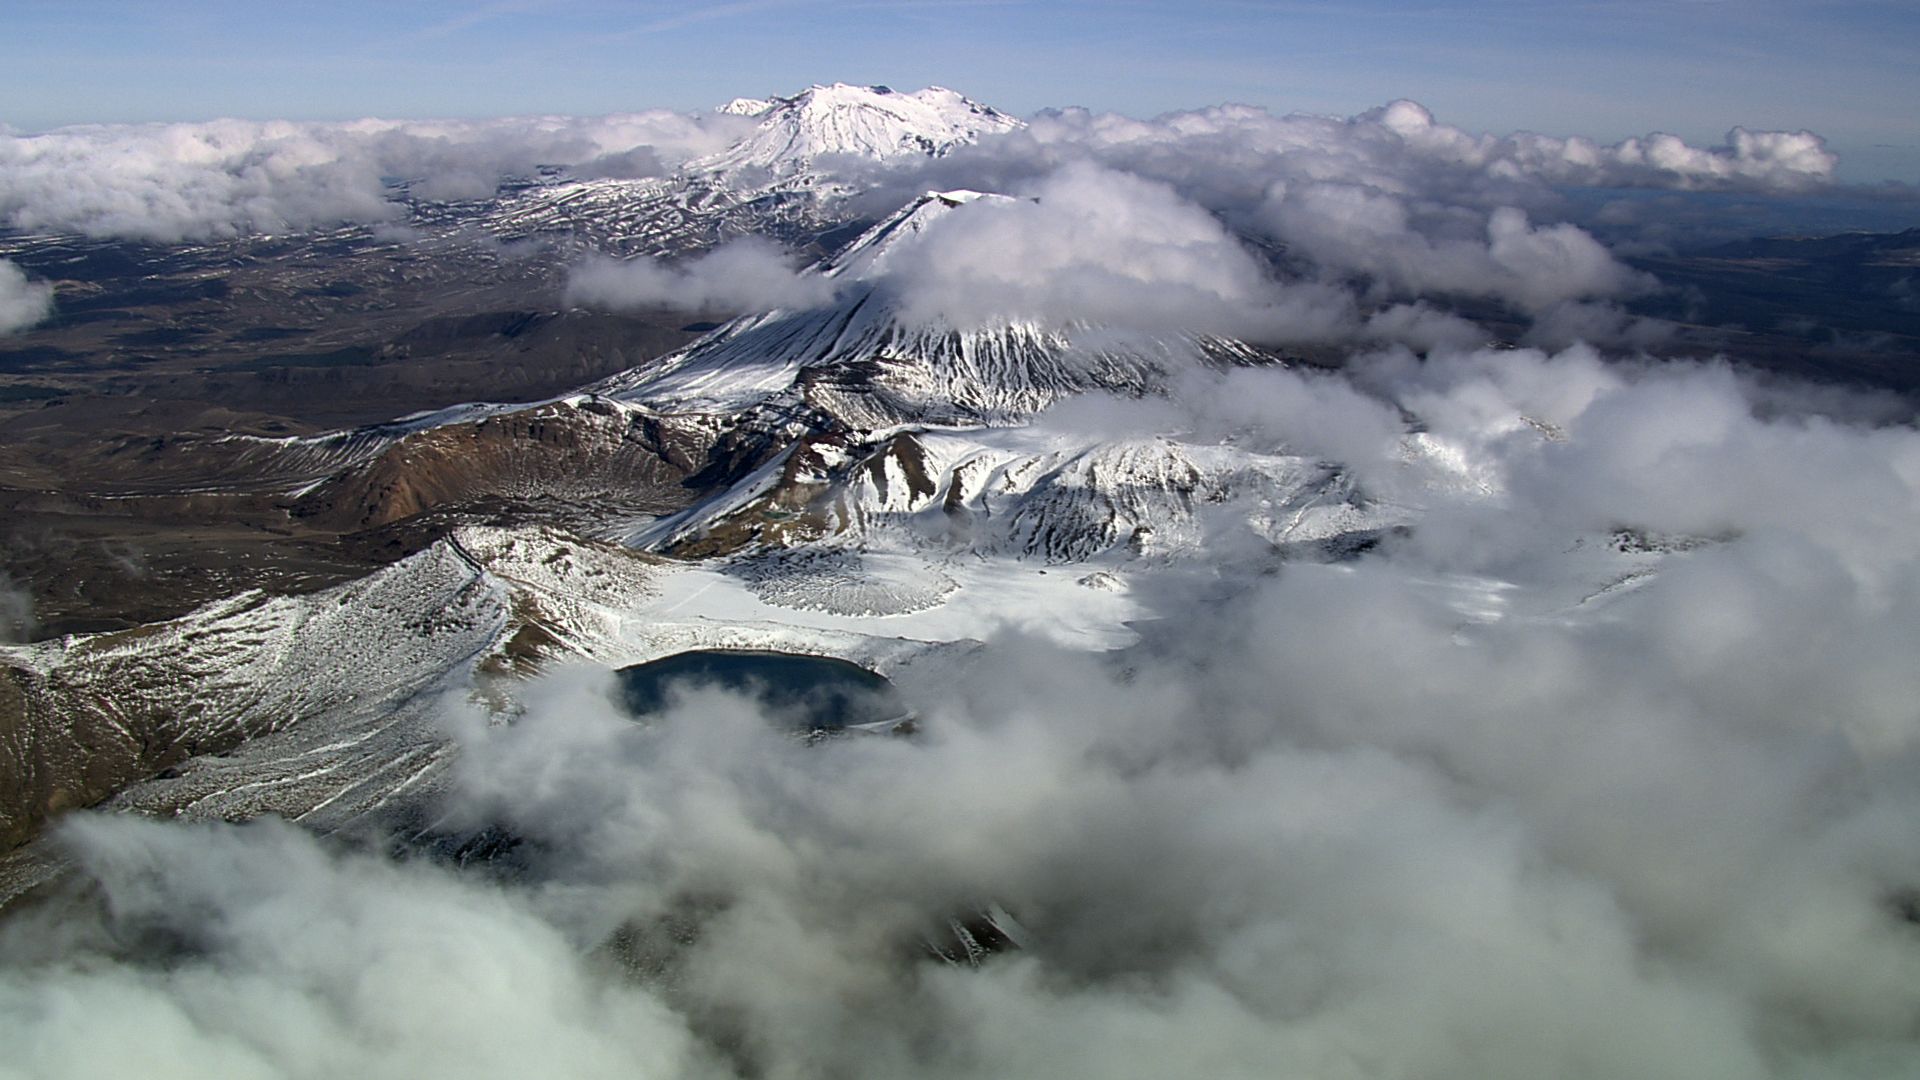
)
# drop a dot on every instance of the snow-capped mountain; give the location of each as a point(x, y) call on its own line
point(778, 180)
point(872, 122)
point(861, 361)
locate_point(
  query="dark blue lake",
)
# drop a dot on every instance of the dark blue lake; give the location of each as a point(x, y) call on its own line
point(818, 693)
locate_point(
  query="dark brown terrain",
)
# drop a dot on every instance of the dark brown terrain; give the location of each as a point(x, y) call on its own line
point(123, 497)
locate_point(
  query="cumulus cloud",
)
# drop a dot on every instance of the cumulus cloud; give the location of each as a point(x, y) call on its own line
point(1453, 809)
point(1227, 157)
point(1407, 205)
point(1349, 228)
point(1766, 160)
point(1423, 327)
point(1090, 245)
point(1097, 246)
point(749, 274)
point(254, 952)
point(1403, 139)
point(22, 302)
point(167, 182)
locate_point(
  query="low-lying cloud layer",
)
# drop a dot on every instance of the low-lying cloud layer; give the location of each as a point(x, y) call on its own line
point(1354, 229)
point(749, 274)
point(1228, 220)
point(1392, 200)
point(169, 182)
point(220, 178)
point(1230, 153)
point(1456, 809)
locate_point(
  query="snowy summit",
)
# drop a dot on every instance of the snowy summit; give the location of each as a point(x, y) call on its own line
point(872, 122)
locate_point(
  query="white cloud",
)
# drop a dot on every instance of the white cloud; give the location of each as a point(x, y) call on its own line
point(1424, 328)
point(251, 952)
point(749, 274)
point(1763, 160)
point(1448, 810)
point(1349, 228)
point(1411, 206)
point(1227, 157)
point(1090, 245)
point(168, 182)
point(1391, 200)
point(1403, 140)
point(22, 302)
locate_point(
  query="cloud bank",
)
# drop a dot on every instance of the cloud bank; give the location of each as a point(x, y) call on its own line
point(1391, 200)
point(1390, 146)
point(221, 178)
point(749, 274)
point(170, 182)
point(1350, 228)
point(1455, 809)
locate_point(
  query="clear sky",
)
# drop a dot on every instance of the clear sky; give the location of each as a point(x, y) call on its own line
point(1849, 69)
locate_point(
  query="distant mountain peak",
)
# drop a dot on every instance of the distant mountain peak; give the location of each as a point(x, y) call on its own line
point(874, 122)
point(744, 106)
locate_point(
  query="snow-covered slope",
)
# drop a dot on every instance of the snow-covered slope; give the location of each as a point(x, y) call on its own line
point(1032, 496)
point(330, 707)
point(101, 710)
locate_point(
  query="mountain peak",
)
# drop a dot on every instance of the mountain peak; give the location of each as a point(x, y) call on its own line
point(874, 122)
point(743, 106)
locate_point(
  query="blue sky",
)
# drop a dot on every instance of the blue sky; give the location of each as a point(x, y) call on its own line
point(1849, 70)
